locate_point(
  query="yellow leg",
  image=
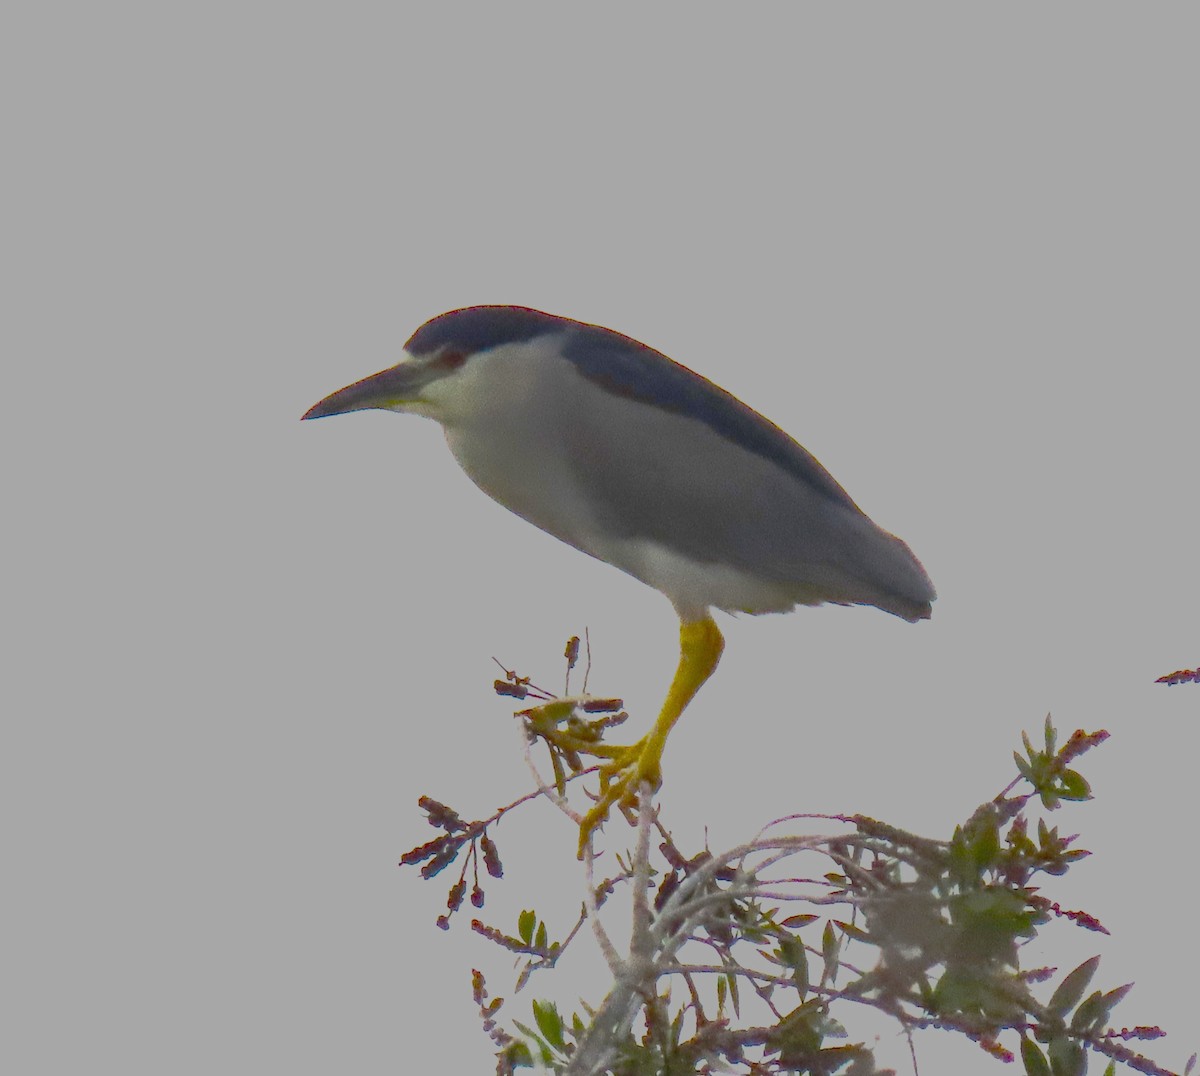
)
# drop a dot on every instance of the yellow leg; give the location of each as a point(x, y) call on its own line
point(700, 647)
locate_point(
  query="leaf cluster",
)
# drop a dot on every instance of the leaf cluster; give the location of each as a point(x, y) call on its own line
point(745, 961)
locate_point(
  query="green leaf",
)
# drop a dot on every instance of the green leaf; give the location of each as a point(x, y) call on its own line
point(856, 933)
point(676, 1028)
point(734, 998)
point(797, 1037)
point(1067, 1057)
point(525, 925)
point(518, 1055)
point(1094, 1013)
point(985, 845)
point(989, 922)
point(956, 992)
point(544, 1051)
point(549, 1023)
point(1034, 1060)
point(1087, 1014)
point(792, 954)
point(829, 951)
point(962, 864)
point(1074, 787)
point(1071, 989)
point(542, 939)
point(556, 710)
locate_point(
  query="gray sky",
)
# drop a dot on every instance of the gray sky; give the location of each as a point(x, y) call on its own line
point(951, 250)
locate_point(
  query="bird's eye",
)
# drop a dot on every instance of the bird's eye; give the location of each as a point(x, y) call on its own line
point(451, 360)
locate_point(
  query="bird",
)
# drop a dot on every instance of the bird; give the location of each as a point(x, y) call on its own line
point(616, 449)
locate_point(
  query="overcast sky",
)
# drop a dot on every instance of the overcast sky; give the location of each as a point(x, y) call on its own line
point(952, 250)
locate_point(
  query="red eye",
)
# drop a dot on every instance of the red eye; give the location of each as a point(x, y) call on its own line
point(451, 360)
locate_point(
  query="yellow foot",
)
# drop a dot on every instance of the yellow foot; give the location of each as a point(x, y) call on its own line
point(621, 777)
point(628, 768)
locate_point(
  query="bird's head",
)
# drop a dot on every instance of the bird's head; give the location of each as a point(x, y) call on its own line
point(437, 355)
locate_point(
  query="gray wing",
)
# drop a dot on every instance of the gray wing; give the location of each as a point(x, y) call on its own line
point(710, 478)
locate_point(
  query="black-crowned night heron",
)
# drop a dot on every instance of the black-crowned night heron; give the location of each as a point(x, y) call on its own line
point(610, 446)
